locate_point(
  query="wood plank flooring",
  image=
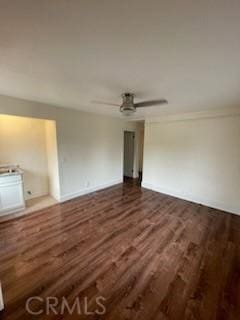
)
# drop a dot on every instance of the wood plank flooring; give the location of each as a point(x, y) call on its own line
point(150, 256)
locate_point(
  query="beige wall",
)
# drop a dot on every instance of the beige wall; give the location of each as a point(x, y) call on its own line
point(90, 152)
point(198, 160)
point(52, 158)
point(141, 146)
point(90, 146)
point(23, 142)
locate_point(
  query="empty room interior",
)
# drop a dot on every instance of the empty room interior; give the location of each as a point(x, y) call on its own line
point(120, 160)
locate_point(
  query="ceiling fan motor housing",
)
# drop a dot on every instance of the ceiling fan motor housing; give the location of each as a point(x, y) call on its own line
point(127, 106)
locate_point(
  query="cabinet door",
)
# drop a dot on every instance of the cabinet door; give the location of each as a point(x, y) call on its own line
point(11, 196)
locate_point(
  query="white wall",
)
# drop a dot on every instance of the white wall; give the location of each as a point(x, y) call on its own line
point(90, 151)
point(90, 146)
point(22, 142)
point(198, 160)
point(52, 158)
point(141, 146)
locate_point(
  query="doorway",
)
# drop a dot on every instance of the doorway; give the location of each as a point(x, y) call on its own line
point(31, 145)
point(129, 141)
point(133, 141)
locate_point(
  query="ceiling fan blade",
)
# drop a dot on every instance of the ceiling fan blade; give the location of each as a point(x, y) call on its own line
point(105, 103)
point(150, 103)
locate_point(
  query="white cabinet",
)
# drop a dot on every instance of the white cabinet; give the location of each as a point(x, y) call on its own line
point(11, 194)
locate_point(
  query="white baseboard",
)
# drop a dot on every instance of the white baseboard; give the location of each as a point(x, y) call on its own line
point(36, 195)
point(1, 298)
point(190, 197)
point(84, 191)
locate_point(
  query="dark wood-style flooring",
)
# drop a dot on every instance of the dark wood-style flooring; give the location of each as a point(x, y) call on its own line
point(151, 256)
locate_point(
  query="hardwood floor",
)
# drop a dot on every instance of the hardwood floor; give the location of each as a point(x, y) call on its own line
point(151, 256)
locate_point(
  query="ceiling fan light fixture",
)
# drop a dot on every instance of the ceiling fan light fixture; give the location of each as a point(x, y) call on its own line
point(127, 110)
point(128, 106)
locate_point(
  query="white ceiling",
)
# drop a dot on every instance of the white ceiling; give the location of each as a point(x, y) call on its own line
point(69, 52)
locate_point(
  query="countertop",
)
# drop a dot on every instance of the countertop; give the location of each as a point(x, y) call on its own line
point(10, 170)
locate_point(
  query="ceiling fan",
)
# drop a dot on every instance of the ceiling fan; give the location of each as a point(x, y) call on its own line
point(128, 106)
